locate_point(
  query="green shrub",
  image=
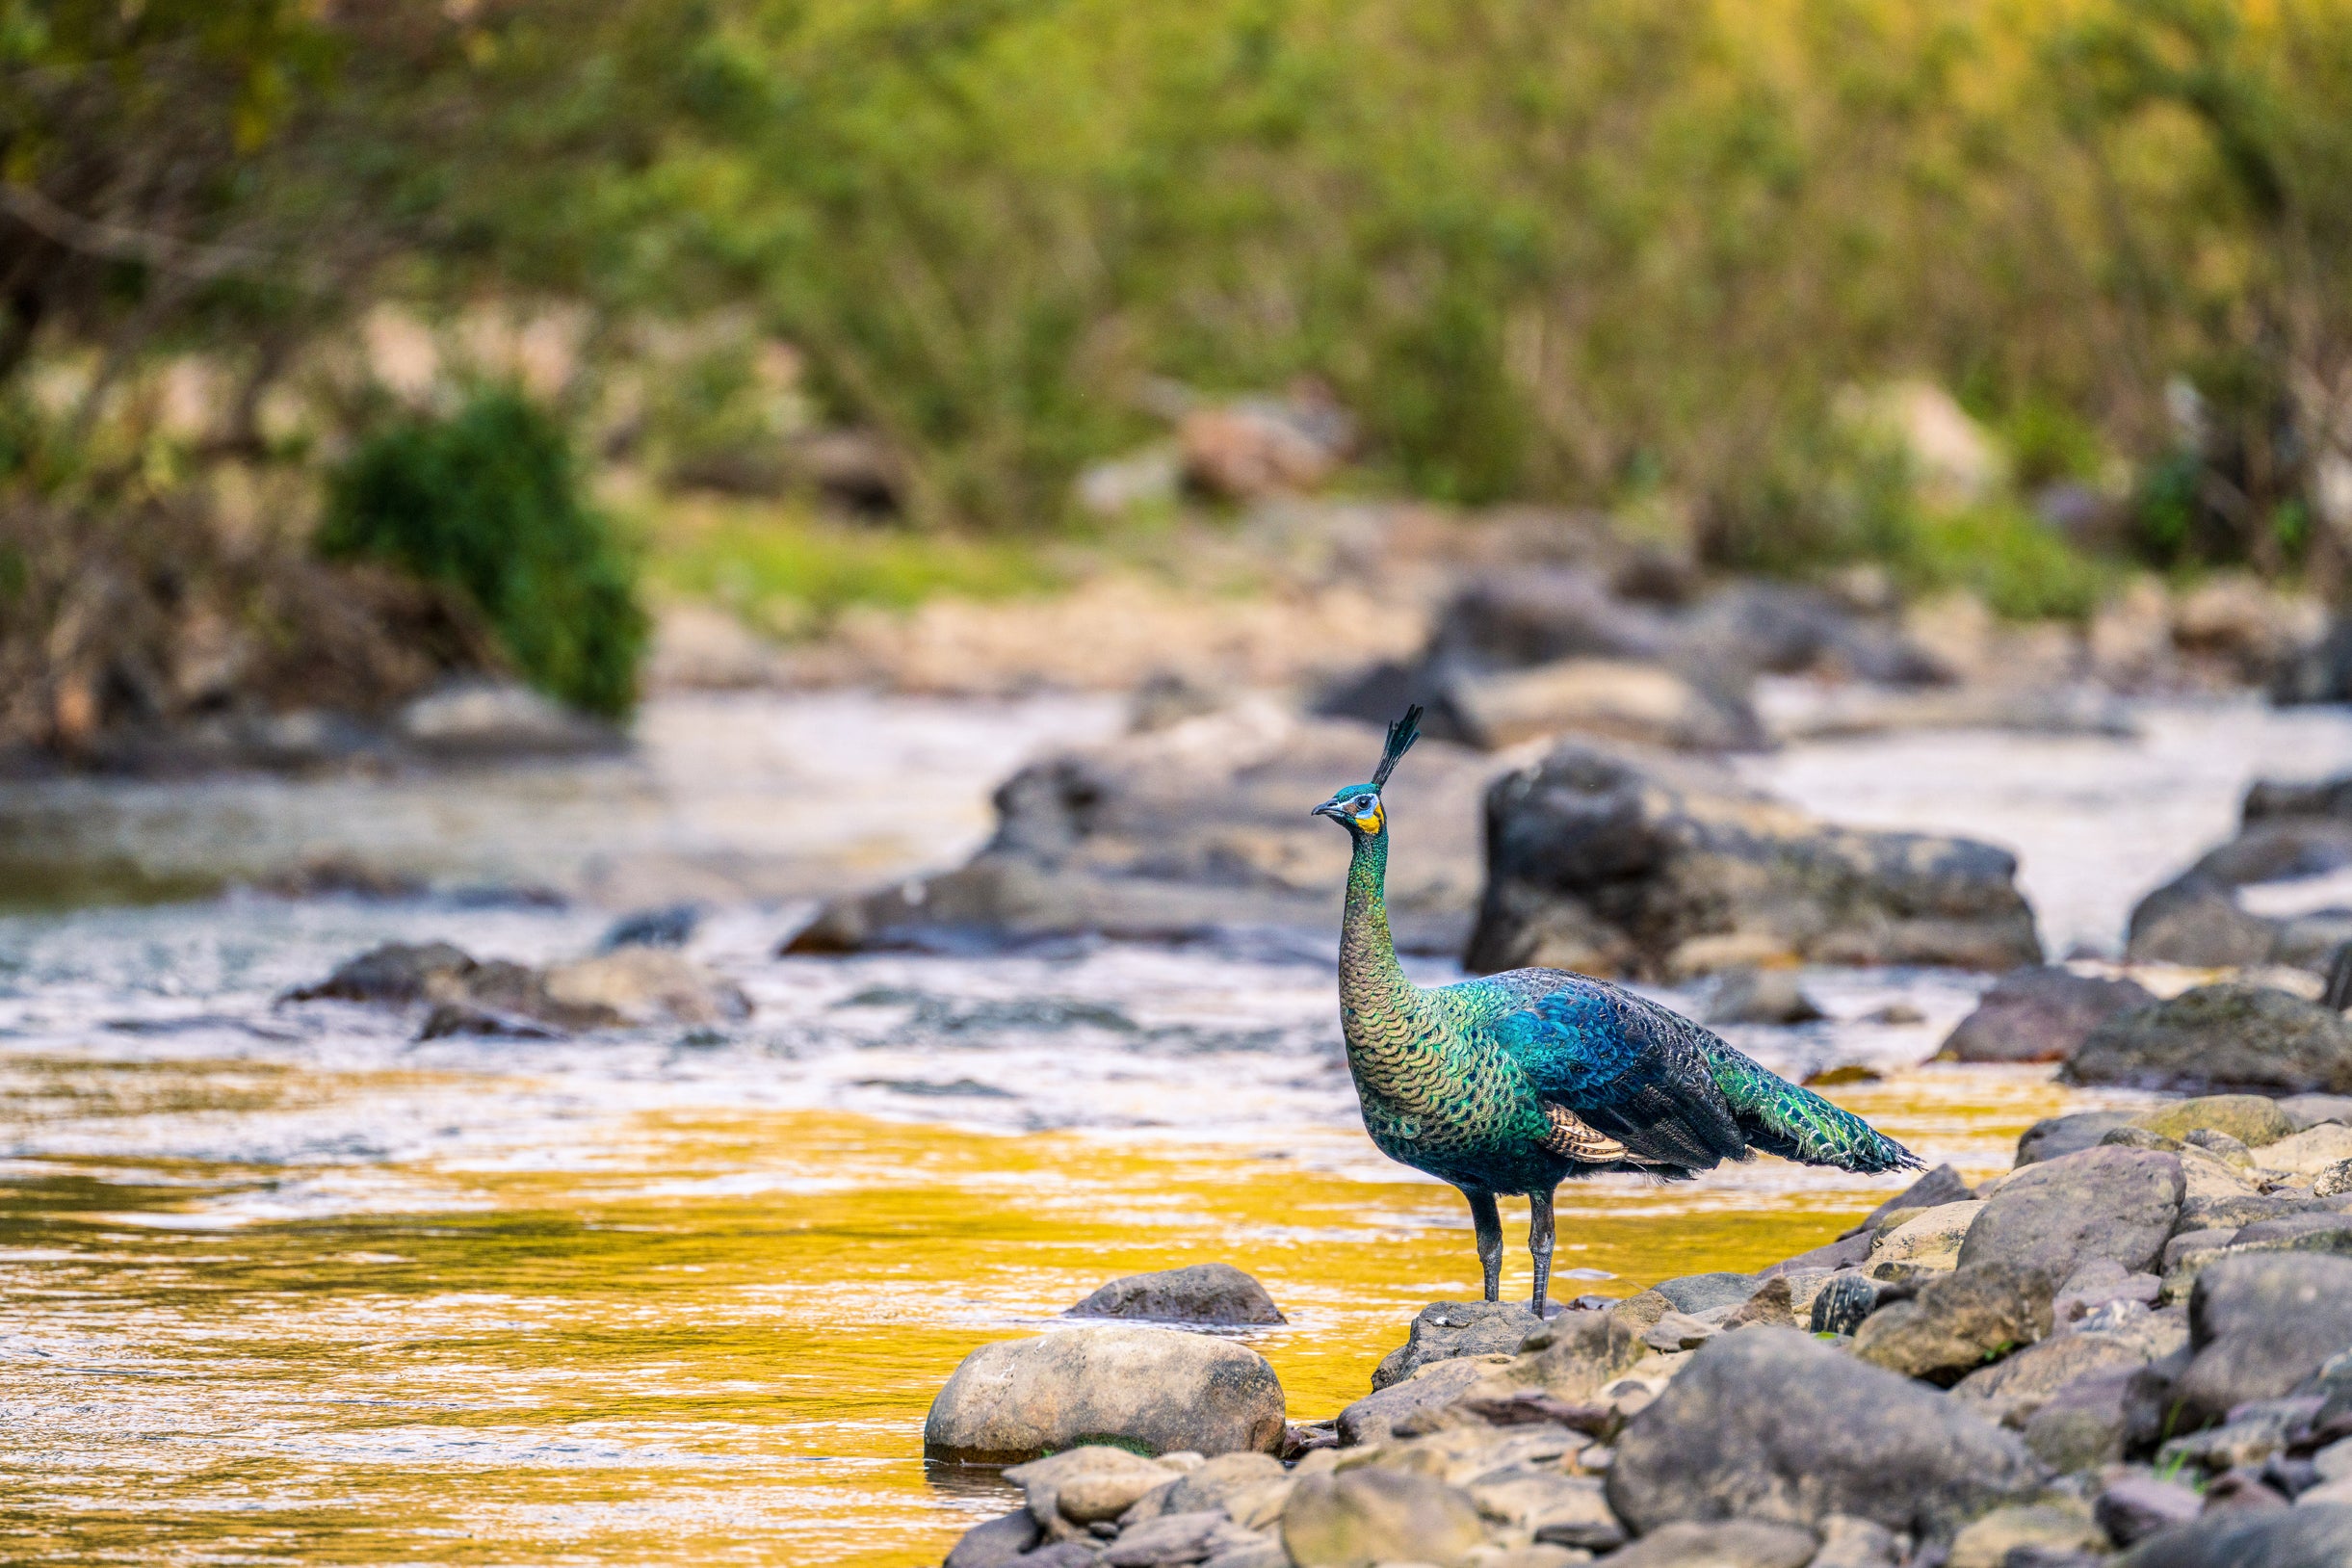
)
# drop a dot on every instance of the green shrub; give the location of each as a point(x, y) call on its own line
point(2010, 557)
point(488, 501)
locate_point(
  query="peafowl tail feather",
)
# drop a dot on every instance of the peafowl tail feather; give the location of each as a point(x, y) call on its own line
point(1778, 1117)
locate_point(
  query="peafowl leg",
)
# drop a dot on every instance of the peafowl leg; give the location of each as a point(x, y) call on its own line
point(1539, 1244)
point(1489, 1226)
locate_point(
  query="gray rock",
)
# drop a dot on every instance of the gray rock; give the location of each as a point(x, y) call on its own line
point(996, 1543)
point(2040, 1013)
point(2056, 1215)
point(1088, 1483)
point(1266, 1554)
point(1372, 1418)
point(1695, 1293)
point(1443, 1330)
point(2221, 1038)
point(1939, 1186)
point(1377, 1514)
point(1751, 1543)
point(1848, 1251)
point(1555, 1510)
point(1059, 1555)
point(1159, 1389)
point(1762, 996)
point(2318, 1535)
point(1173, 1539)
point(644, 985)
point(2055, 1137)
point(2308, 1111)
point(1848, 1542)
point(672, 926)
point(2253, 1120)
point(2011, 1390)
point(1843, 1303)
point(1621, 698)
point(1772, 1425)
point(2083, 1426)
point(397, 973)
point(1193, 829)
point(2030, 1535)
point(1978, 1313)
point(2258, 1327)
point(480, 995)
point(2135, 1507)
point(1201, 1292)
point(2197, 921)
point(1609, 860)
point(1228, 1482)
point(474, 718)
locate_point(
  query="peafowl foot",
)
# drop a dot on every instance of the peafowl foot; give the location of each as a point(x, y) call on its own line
point(1487, 1222)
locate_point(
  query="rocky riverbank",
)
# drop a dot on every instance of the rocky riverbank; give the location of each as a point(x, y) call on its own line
point(2134, 1349)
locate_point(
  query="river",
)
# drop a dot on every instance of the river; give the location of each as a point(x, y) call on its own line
point(279, 1283)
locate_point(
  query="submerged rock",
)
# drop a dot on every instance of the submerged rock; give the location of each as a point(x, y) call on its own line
point(1203, 1293)
point(1608, 860)
point(1157, 1389)
point(1768, 1424)
point(2042, 1013)
point(2221, 1038)
point(469, 996)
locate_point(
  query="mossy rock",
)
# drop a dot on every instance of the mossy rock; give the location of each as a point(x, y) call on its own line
point(2253, 1119)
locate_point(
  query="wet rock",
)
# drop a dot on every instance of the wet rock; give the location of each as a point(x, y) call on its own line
point(1957, 1323)
point(461, 1020)
point(2053, 1529)
point(1608, 860)
point(643, 986)
point(2221, 1038)
point(1157, 1389)
point(2258, 1327)
point(1931, 1238)
point(1771, 1425)
point(1751, 1543)
point(2058, 1215)
point(1202, 1292)
point(996, 1543)
point(1446, 1329)
point(1374, 1417)
point(672, 926)
point(1761, 996)
point(396, 973)
point(2055, 1137)
point(2315, 1536)
point(1940, 1186)
point(2040, 1013)
point(2197, 921)
point(1375, 1514)
point(1185, 831)
point(2253, 1119)
point(1616, 698)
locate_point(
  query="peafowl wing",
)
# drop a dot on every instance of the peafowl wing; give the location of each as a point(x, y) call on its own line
point(1624, 1070)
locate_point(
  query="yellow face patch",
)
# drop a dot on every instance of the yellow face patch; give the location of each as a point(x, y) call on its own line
point(1370, 821)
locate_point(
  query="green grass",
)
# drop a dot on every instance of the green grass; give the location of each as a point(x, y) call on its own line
point(2010, 558)
point(793, 574)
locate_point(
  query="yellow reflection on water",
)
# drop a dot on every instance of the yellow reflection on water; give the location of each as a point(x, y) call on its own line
point(709, 1338)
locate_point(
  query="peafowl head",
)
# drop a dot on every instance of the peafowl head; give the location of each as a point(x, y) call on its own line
point(1357, 807)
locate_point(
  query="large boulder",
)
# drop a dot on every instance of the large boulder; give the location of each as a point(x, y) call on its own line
point(1612, 860)
point(2220, 1038)
point(1156, 1389)
point(2258, 1325)
point(1198, 828)
point(2041, 1013)
point(1216, 1293)
point(2107, 1202)
point(1958, 1322)
point(1613, 697)
point(1770, 1424)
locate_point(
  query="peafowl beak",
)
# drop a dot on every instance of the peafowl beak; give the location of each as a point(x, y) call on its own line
point(1331, 809)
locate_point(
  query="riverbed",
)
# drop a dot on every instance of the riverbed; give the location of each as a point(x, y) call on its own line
point(279, 1283)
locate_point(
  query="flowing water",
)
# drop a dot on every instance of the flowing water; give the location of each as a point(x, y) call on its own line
point(279, 1283)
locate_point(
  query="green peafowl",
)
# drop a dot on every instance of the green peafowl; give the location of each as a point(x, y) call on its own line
point(1514, 1083)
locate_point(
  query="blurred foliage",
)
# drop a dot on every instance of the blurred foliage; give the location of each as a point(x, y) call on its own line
point(1543, 253)
point(488, 501)
point(792, 573)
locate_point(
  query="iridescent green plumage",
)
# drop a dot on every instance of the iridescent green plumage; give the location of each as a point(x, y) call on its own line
point(1513, 1083)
